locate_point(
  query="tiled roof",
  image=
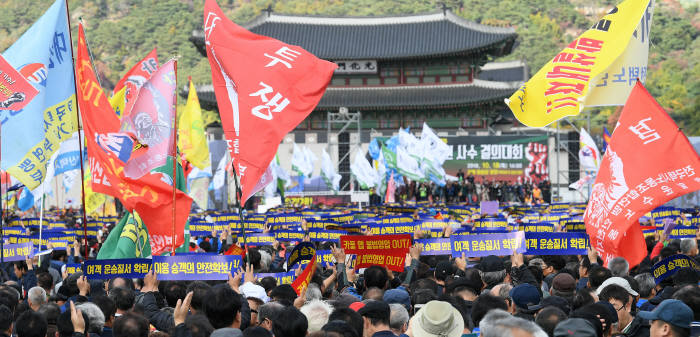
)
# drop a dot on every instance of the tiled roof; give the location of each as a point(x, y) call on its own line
point(381, 38)
point(510, 71)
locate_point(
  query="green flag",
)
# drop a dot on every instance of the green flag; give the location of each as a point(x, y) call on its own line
point(128, 239)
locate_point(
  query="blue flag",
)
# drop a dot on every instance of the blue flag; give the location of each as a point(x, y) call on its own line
point(30, 136)
point(25, 200)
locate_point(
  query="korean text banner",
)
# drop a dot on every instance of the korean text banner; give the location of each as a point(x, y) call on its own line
point(281, 278)
point(383, 250)
point(31, 135)
point(435, 246)
point(196, 267)
point(560, 88)
point(264, 87)
point(304, 251)
point(18, 252)
point(488, 244)
point(556, 243)
point(113, 268)
point(15, 90)
point(670, 265)
point(629, 185)
point(499, 157)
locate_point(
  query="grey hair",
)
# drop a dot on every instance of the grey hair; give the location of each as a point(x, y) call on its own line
point(265, 260)
point(269, 311)
point(619, 266)
point(646, 284)
point(399, 316)
point(494, 277)
point(313, 292)
point(496, 324)
point(317, 313)
point(537, 262)
point(687, 245)
point(37, 295)
point(504, 291)
point(94, 313)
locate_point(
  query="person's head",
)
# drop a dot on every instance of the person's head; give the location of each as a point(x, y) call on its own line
point(670, 318)
point(398, 320)
point(619, 298)
point(45, 280)
point(499, 326)
point(20, 269)
point(575, 326)
point(484, 304)
point(690, 295)
point(398, 296)
point(443, 270)
point(342, 328)
point(257, 331)
point(548, 318)
point(583, 297)
point(201, 292)
point(268, 282)
point(120, 282)
point(647, 285)
point(685, 276)
point(223, 308)
point(290, 323)
point(619, 266)
point(563, 285)
point(349, 316)
point(525, 295)
point(689, 247)
point(376, 315)
point(317, 313)
point(123, 298)
point(585, 265)
point(36, 297)
point(199, 325)
point(31, 324)
point(107, 307)
point(130, 325)
point(283, 293)
point(376, 276)
point(174, 290)
point(552, 264)
point(437, 318)
point(97, 318)
point(267, 313)
point(597, 275)
point(64, 324)
point(373, 293)
point(50, 311)
point(5, 320)
point(502, 290)
point(493, 270)
point(9, 297)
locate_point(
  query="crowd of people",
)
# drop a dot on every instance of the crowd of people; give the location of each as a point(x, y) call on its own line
point(516, 295)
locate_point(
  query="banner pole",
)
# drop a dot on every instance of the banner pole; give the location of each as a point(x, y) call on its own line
point(239, 196)
point(80, 131)
point(2, 210)
point(172, 247)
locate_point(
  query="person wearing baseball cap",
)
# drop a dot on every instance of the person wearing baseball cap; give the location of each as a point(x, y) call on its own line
point(671, 318)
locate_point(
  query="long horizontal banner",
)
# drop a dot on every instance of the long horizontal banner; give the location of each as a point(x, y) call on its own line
point(556, 243)
point(670, 265)
point(487, 244)
point(168, 268)
point(18, 252)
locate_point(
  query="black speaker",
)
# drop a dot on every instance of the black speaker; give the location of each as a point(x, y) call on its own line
point(344, 164)
point(573, 146)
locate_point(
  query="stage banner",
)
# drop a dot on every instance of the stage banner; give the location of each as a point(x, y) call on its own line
point(113, 268)
point(556, 243)
point(487, 244)
point(18, 252)
point(383, 250)
point(435, 246)
point(499, 157)
point(196, 267)
point(670, 265)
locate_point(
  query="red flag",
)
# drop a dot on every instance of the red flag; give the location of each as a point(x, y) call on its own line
point(15, 90)
point(303, 280)
point(108, 150)
point(649, 161)
point(264, 88)
point(136, 77)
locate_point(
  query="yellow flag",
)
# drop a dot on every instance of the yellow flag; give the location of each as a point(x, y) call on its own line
point(118, 102)
point(561, 86)
point(93, 200)
point(192, 140)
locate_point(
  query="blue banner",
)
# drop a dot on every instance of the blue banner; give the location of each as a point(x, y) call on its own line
point(72, 268)
point(304, 251)
point(196, 267)
point(400, 209)
point(575, 226)
point(325, 258)
point(399, 219)
point(683, 232)
point(380, 229)
point(670, 265)
point(556, 243)
point(541, 227)
point(18, 252)
point(284, 219)
point(341, 218)
point(489, 224)
point(326, 235)
point(68, 161)
point(113, 268)
point(320, 224)
point(282, 278)
point(487, 244)
point(260, 239)
point(435, 246)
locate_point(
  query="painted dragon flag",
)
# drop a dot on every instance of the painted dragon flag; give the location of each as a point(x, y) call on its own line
point(264, 88)
point(30, 136)
point(561, 87)
point(649, 161)
point(151, 122)
point(127, 89)
point(109, 150)
point(588, 154)
point(192, 140)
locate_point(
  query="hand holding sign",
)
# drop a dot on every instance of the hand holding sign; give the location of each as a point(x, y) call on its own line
point(235, 281)
point(150, 282)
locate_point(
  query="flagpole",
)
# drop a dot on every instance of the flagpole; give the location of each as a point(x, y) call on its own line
point(2, 210)
point(80, 140)
point(172, 248)
point(239, 196)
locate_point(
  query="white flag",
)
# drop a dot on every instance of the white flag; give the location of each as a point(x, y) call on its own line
point(407, 165)
point(303, 161)
point(330, 176)
point(588, 155)
point(220, 175)
point(433, 145)
point(361, 169)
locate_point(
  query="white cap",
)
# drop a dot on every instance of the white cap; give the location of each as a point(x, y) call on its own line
point(618, 281)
